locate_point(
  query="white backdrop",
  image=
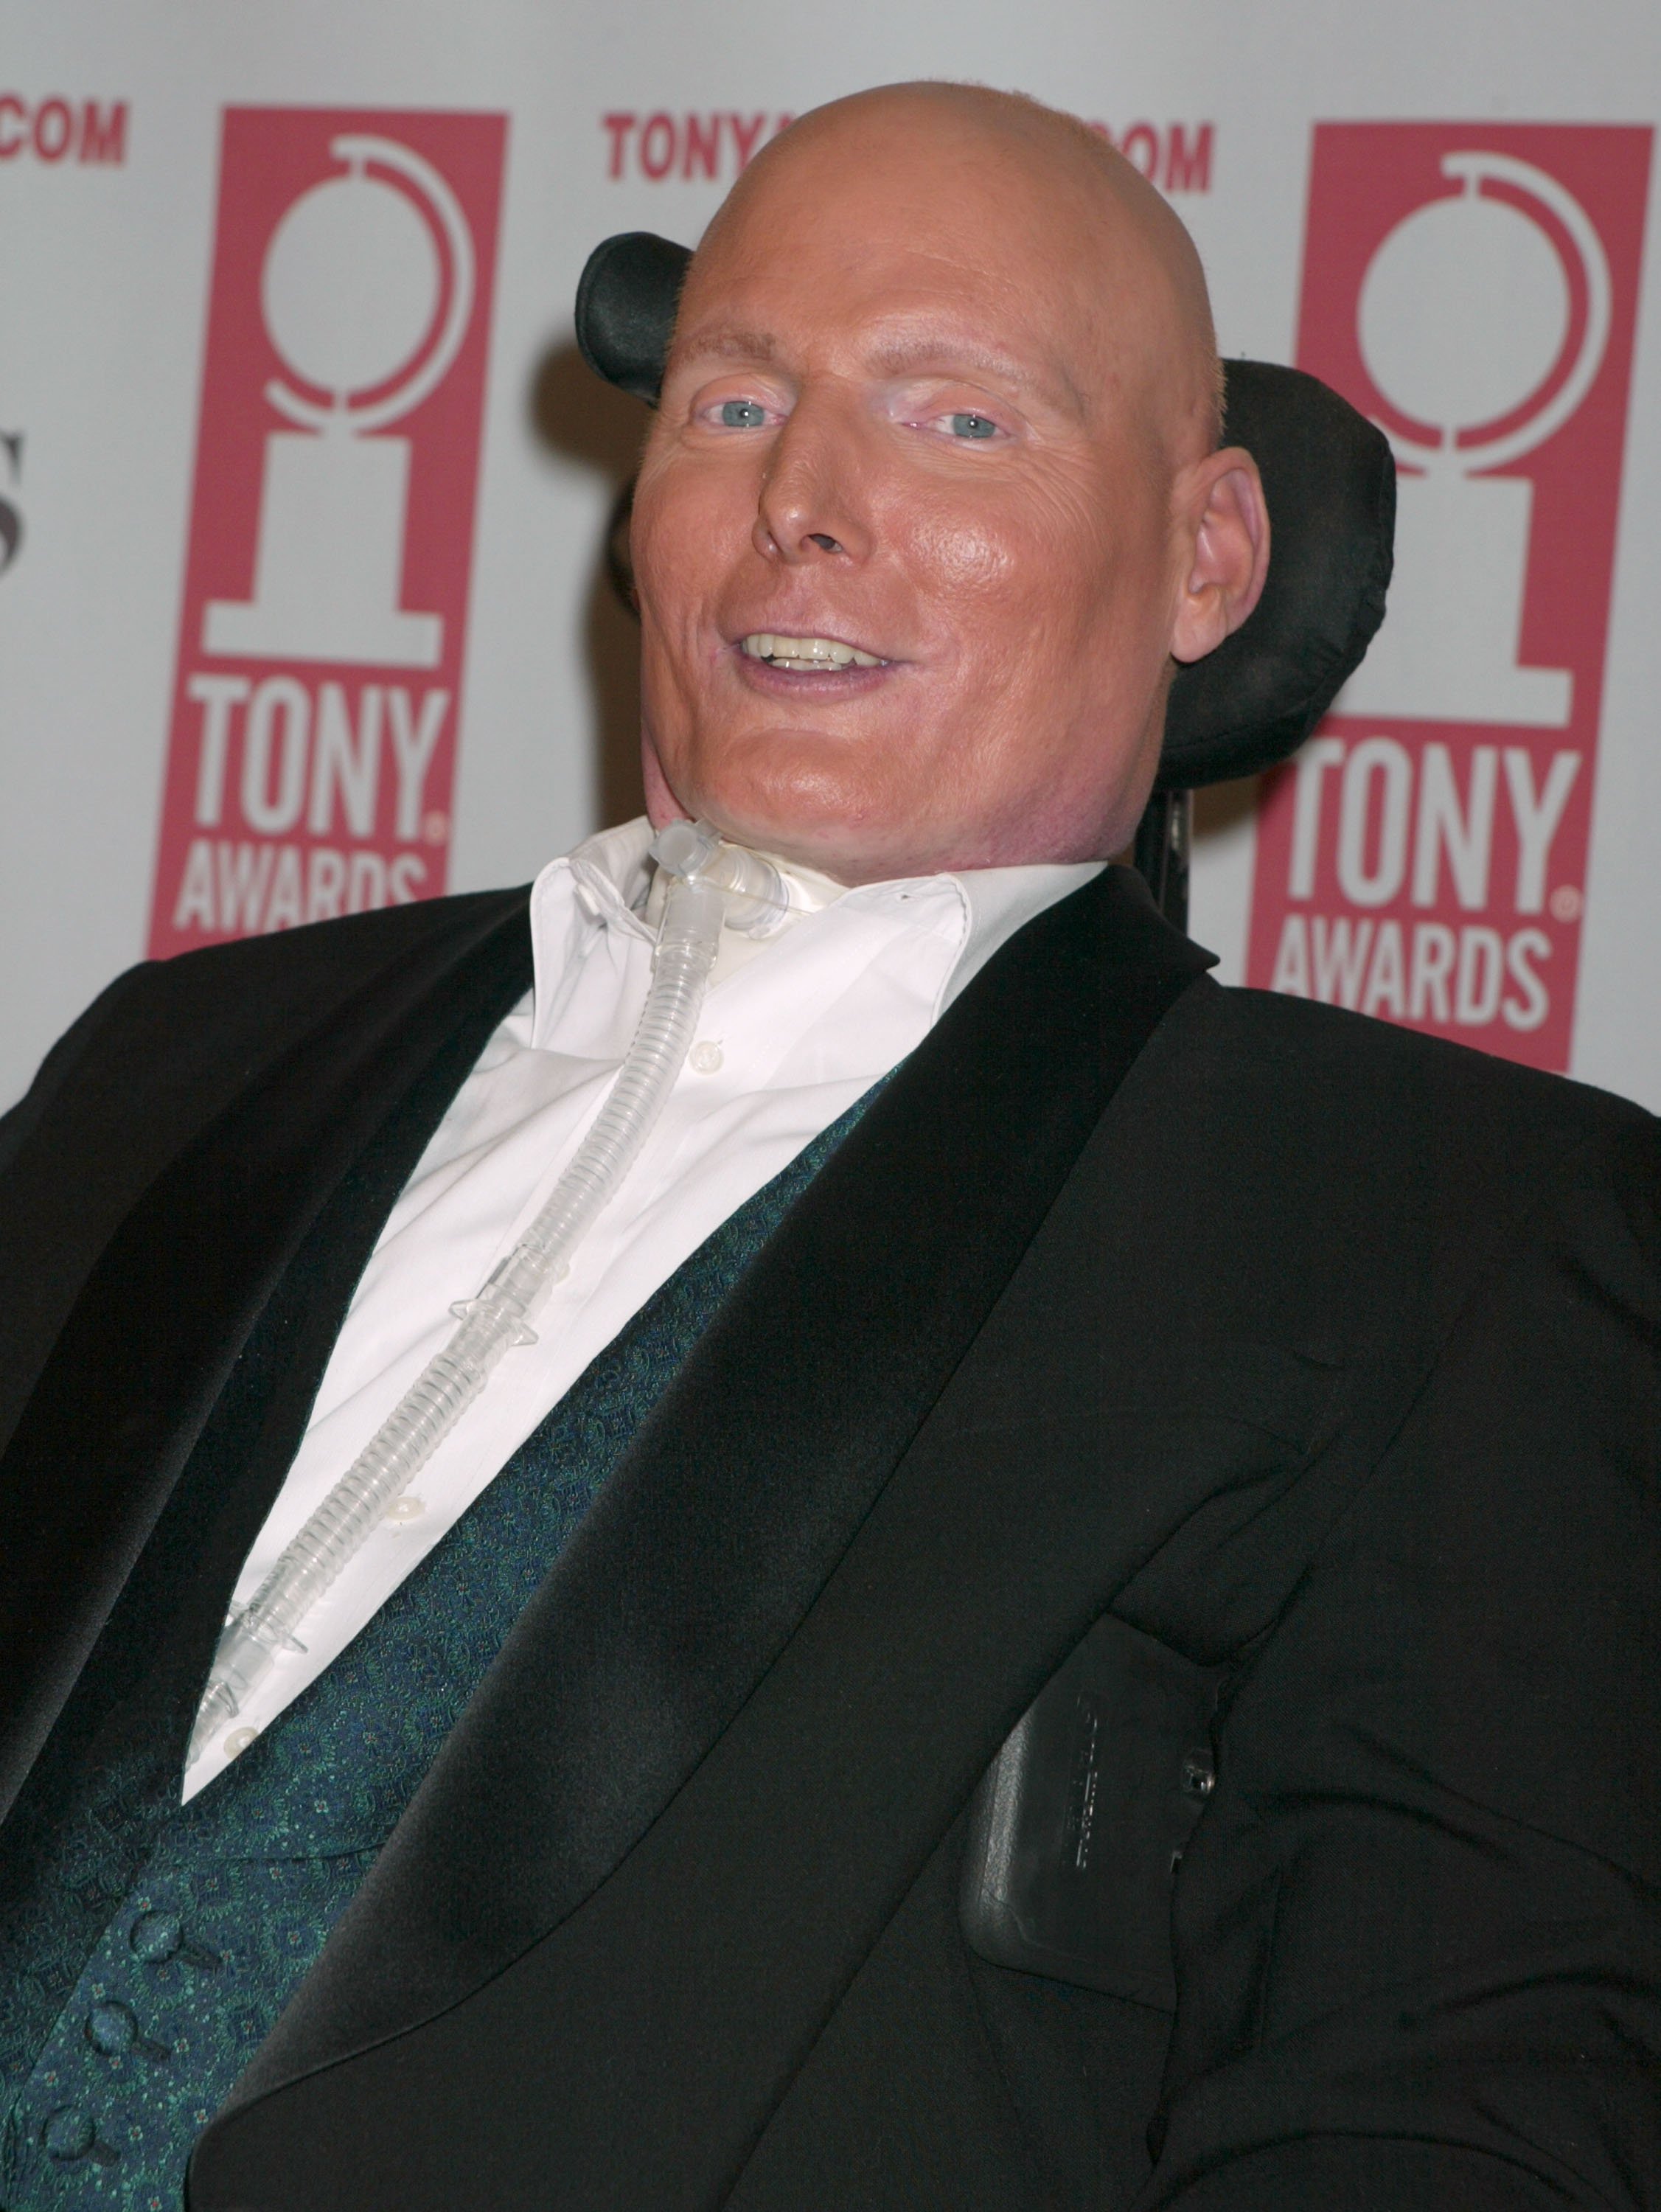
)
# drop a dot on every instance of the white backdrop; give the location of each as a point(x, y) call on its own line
point(113, 194)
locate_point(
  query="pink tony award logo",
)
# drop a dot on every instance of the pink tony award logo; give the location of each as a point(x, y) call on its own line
point(313, 735)
point(1474, 290)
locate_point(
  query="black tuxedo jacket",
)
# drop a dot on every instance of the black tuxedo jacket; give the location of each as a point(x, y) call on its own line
point(1320, 1356)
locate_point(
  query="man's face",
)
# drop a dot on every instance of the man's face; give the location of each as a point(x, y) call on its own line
point(898, 425)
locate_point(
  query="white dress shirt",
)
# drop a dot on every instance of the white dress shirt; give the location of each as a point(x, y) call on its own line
point(794, 1029)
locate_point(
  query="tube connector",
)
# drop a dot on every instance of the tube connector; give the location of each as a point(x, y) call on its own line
point(685, 848)
point(757, 897)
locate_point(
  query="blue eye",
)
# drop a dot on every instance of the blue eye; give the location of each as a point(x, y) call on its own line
point(742, 415)
point(973, 426)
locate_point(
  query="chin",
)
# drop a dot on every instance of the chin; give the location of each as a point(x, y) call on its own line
point(812, 803)
point(835, 840)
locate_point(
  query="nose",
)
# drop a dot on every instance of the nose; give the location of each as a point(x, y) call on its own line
point(812, 505)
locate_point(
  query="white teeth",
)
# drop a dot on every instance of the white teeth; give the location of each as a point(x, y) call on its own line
point(805, 653)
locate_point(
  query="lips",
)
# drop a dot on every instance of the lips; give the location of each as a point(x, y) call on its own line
point(806, 656)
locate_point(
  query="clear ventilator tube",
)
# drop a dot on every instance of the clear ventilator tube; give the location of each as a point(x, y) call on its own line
point(710, 884)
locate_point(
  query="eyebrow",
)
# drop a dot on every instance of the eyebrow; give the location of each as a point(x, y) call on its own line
point(941, 352)
point(725, 341)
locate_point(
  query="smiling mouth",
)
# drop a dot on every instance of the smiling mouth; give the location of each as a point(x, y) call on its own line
point(806, 656)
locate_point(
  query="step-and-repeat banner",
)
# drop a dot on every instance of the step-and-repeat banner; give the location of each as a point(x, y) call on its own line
point(304, 493)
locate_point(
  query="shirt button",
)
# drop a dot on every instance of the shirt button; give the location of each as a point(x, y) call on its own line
point(239, 1740)
point(113, 2028)
point(706, 1058)
point(405, 1508)
point(156, 1937)
point(69, 2133)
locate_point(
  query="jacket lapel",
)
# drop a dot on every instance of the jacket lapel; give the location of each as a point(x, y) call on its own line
point(697, 1564)
point(165, 1312)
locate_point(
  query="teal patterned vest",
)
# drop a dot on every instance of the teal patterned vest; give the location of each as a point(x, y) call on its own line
point(234, 1895)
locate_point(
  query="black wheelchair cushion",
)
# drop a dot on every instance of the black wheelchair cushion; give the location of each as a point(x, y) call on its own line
point(1330, 481)
point(627, 296)
point(1328, 477)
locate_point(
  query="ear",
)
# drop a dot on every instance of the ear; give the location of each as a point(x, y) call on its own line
point(1224, 521)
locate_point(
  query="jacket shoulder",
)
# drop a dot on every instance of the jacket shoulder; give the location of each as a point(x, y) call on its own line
point(259, 980)
point(169, 1023)
point(171, 1045)
point(1335, 1181)
point(1386, 1082)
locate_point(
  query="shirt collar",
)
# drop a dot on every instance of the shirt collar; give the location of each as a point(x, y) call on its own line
point(1004, 900)
point(610, 875)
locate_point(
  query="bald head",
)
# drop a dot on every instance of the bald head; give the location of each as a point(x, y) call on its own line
point(932, 501)
point(1137, 276)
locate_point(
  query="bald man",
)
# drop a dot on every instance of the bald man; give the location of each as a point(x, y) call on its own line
point(979, 448)
point(1054, 1611)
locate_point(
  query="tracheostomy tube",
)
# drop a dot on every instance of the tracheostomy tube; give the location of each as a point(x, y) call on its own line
point(710, 884)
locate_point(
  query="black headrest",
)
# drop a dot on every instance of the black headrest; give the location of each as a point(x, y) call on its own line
point(1327, 475)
